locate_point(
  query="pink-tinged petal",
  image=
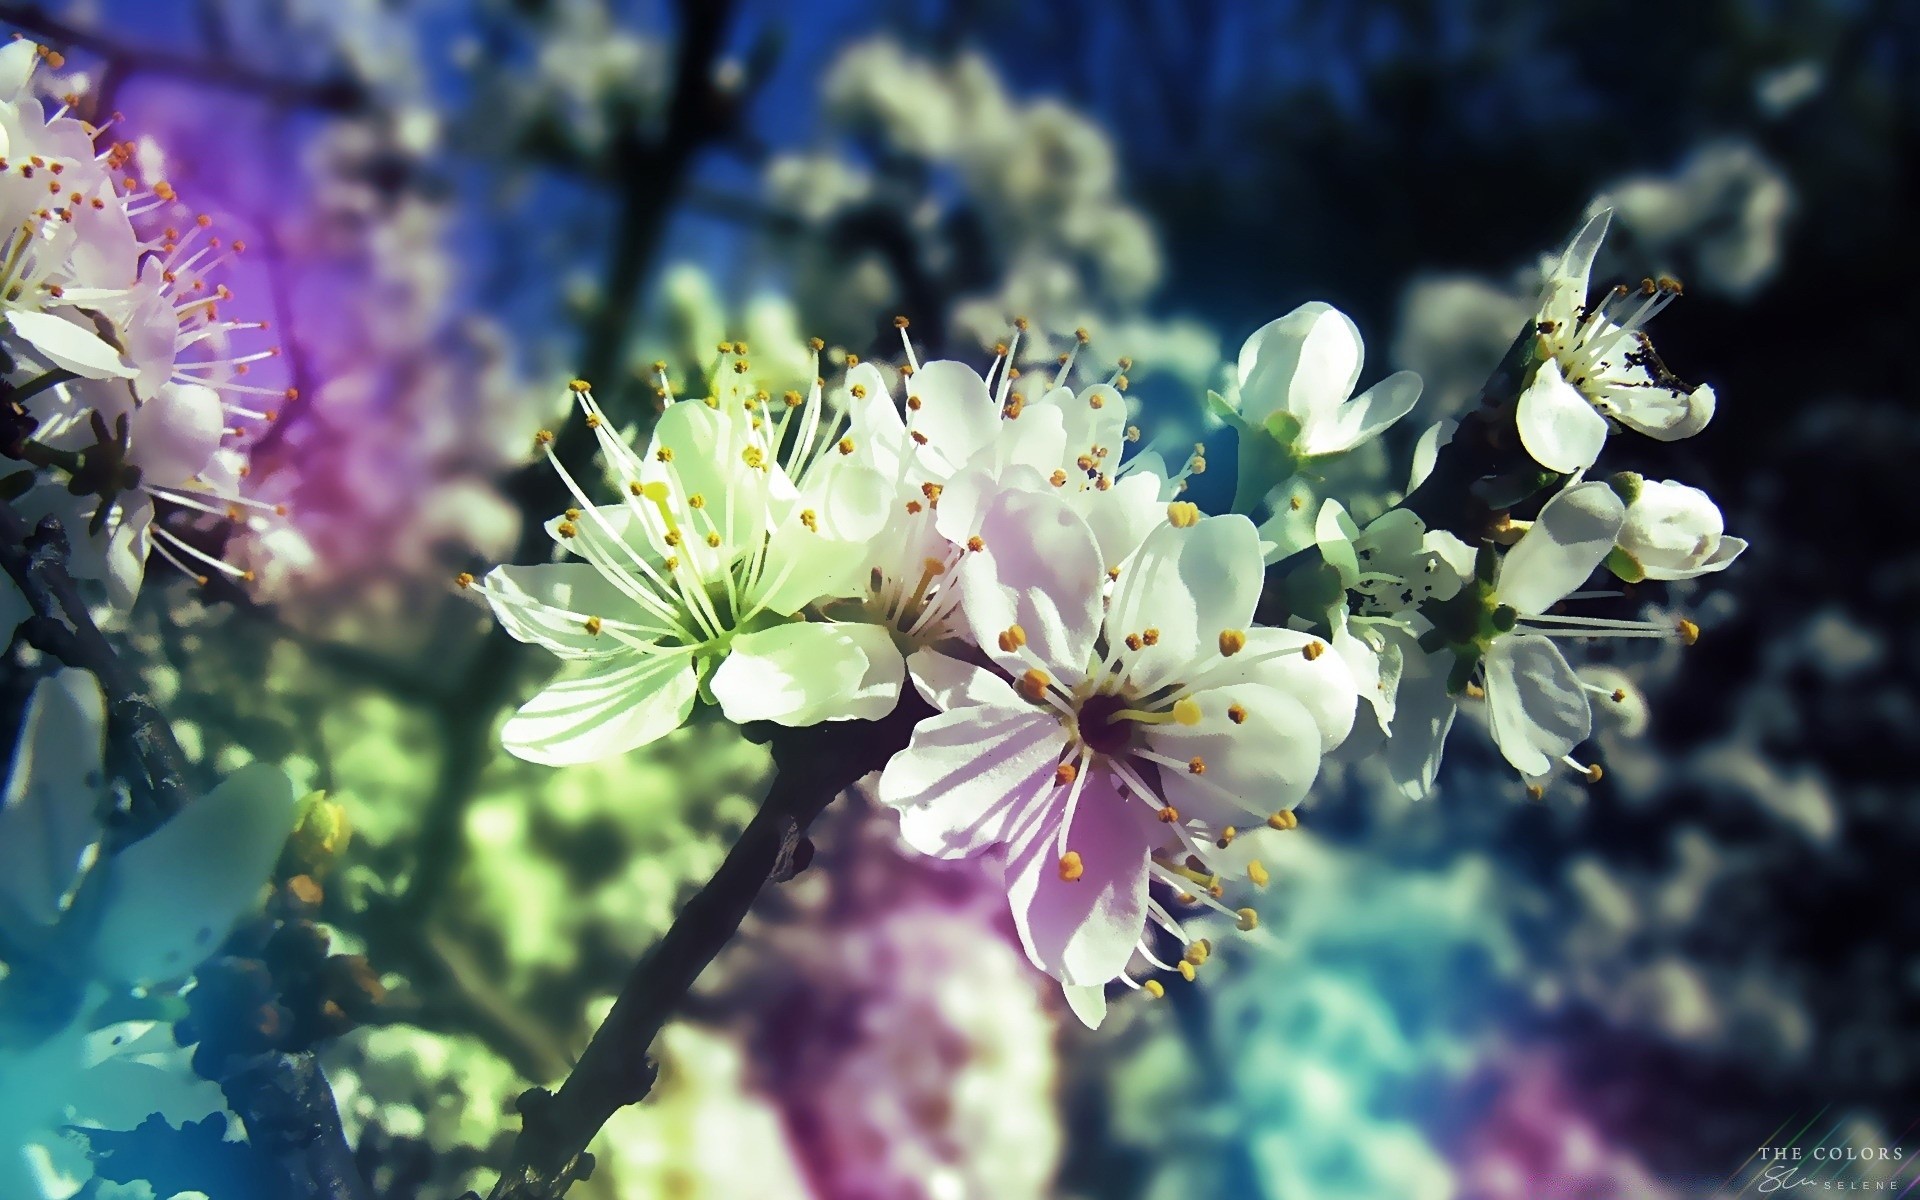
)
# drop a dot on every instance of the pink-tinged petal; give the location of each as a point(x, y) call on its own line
point(1570, 538)
point(1083, 931)
point(1559, 428)
point(1259, 749)
point(175, 434)
point(972, 777)
point(1190, 584)
point(613, 706)
point(1038, 567)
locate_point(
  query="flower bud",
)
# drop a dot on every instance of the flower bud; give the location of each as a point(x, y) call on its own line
point(1675, 532)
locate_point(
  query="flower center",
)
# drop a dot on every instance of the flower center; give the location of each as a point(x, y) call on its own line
point(1103, 724)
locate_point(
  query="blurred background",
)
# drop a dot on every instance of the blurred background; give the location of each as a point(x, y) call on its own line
point(1617, 991)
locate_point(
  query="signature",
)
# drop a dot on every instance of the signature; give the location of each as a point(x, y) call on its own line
point(1779, 1179)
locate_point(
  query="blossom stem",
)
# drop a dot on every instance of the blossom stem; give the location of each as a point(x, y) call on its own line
point(812, 767)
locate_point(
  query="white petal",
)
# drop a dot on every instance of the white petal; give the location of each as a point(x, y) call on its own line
point(1423, 715)
point(949, 683)
point(1191, 585)
point(1264, 762)
point(1572, 535)
point(1538, 708)
point(1039, 568)
point(1567, 277)
point(805, 672)
point(1700, 407)
point(1363, 418)
point(972, 777)
point(1557, 426)
point(1302, 363)
point(956, 415)
point(1426, 451)
point(549, 604)
point(1323, 684)
point(170, 898)
point(50, 822)
point(613, 706)
point(68, 345)
point(1089, 1003)
point(1121, 516)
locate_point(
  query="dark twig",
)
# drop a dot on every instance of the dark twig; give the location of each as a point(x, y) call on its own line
point(293, 1122)
point(36, 558)
point(813, 766)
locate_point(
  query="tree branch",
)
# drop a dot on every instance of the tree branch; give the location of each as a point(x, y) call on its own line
point(283, 1099)
point(36, 560)
point(813, 766)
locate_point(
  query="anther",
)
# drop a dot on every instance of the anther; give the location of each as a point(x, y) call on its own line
point(1071, 868)
point(543, 438)
point(846, 445)
point(1196, 765)
point(976, 544)
point(1154, 988)
point(1284, 819)
point(1150, 636)
point(1249, 920)
point(696, 500)
point(580, 385)
point(1689, 632)
point(1033, 685)
point(1065, 773)
point(1232, 642)
point(593, 625)
point(1236, 714)
point(1012, 638)
point(1186, 711)
point(464, 579)
point(713, 540)
point(1257, 872)
point(1168, 814)
point(1226, 837)
point(1183, 515)
point(1313, 650)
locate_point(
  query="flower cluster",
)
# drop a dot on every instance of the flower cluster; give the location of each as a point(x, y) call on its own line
point(1109, 722)
point(122, 388)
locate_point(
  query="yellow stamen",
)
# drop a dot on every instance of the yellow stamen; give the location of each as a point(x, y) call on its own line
point(1232, 642)
point(1071, 868)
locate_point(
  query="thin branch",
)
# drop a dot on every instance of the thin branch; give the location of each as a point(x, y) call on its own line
point(293, 1122)
point(339, 94)
point(813, 766)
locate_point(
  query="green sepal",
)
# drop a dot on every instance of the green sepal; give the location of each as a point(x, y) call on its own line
point(1267, 460)
point(1626, 485)
point(1222, 408)
point(1625, 566)
point(1511, 488)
